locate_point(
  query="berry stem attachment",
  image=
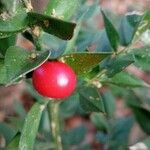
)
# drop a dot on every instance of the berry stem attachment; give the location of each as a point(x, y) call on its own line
point(53, 108)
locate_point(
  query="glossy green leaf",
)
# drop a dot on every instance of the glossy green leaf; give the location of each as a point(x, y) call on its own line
point(143, 25)
point(125, 32)
point(120, 132)
point(102, 41)
point(142, 117)
point(111, 32)
point(85, 39)
point(95, 71)
point(118, 63)
point(3, 73)
point(30, 127)
point(127, 28)
point(90, 100)
point(133, 100)
point(142, 58)
point(5, 34)
point(74, 136)
point(143, 63)
point(102, 137)
point(7, 132)
point(125, 79)
point(13, 18)
point(50, 42)
point(19, 109)
point(15, 23)
point(99, 121)
point(16, 123)
point(63, 9)
point(134, 18)
point(109, 103)
point(51, 25)
point(91, 10)
point(69, 107)
point(19, 61)
point(72, 43)
point(5, 43)
point(82, 63)
point(131, 27)
point(13, 145)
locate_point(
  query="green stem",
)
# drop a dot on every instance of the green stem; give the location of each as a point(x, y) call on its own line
point(53, 108)
point(37, 43)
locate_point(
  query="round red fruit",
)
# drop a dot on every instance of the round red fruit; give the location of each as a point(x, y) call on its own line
point(54, 79)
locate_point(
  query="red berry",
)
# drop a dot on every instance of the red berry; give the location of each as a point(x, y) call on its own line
point(54, 79)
